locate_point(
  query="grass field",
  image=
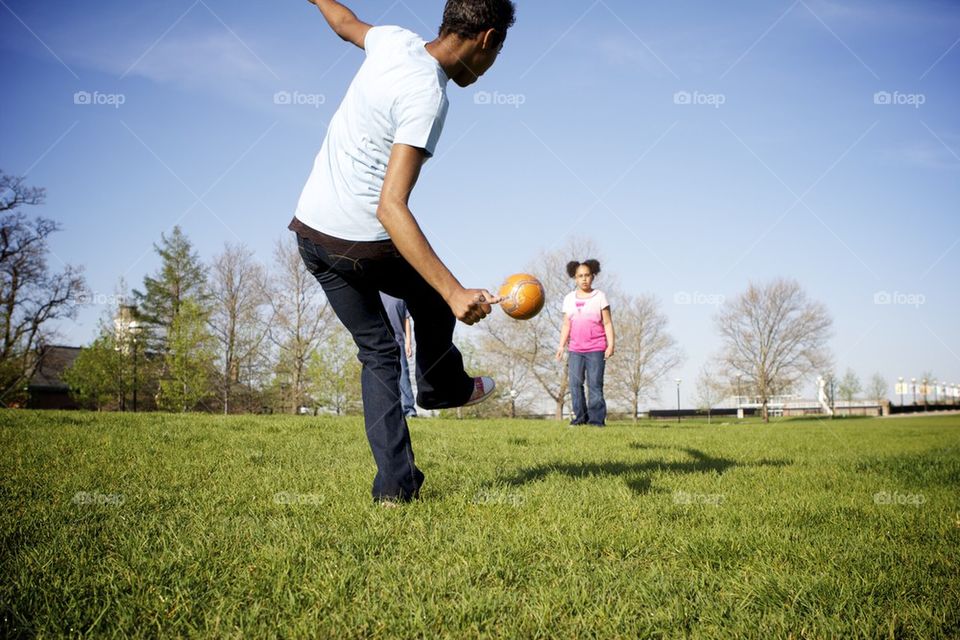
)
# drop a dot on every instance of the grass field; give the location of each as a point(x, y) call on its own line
point(143, 525)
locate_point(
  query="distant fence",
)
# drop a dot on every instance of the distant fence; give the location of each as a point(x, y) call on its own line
point(919, 408)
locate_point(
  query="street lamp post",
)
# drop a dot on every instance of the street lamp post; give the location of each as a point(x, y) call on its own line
point(133, 329)
point(900, 380)
point(913, 387)
point(926, 390)
point(936, 393)
point(135, 373)
point(678, 400)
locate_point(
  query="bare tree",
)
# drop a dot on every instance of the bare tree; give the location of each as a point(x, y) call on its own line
point(534, 342)
point(31, 297)
point(646, 352)
point(300, 315)
point(239, 318)
point(773, 337)
point(497, 355)
point(849, 386)
point(877, 388)
point(710, 391)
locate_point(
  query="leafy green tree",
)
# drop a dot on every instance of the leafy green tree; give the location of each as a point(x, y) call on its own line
point(189, 360)
point(98, 378)
point(182, 276)
point(334, 372)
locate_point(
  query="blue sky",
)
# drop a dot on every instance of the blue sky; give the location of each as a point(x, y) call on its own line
point(701, 145)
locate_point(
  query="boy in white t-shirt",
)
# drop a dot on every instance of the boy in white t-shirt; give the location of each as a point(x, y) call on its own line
point(356, 233)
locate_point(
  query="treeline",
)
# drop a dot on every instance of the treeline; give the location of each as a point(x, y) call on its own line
point(237, 335)
point(232, 336)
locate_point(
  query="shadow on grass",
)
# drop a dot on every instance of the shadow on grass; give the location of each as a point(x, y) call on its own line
point(637, 474)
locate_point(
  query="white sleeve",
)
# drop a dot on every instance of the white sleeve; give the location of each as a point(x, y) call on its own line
point(420, 120)
point(376, 36)
point(602, 300)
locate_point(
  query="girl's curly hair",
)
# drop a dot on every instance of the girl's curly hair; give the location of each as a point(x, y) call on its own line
point(591, 264)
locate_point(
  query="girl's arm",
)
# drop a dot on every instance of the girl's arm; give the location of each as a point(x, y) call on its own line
point(608, 329)
point(564, 336)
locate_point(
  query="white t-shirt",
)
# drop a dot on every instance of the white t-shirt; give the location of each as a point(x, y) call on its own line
point(399, 95)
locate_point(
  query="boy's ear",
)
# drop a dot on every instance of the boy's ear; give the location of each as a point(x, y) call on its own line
point(491, 39)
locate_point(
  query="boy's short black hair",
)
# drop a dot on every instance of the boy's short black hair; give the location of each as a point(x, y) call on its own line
point(591, 264)
point(467, 18)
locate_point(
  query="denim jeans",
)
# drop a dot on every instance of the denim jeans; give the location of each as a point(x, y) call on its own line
point(406, 389)
point(353, 289)
point(593, 410)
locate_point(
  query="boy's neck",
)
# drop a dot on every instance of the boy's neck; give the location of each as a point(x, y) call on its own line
point(450, 51)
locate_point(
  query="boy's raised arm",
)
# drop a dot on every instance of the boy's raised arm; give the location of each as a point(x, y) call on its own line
point(343, 21)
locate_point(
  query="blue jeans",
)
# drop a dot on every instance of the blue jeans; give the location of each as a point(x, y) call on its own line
point(353, 287)
point(406, 389)
point(593, 410)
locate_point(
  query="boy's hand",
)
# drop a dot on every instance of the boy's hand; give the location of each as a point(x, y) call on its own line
point(470, 306)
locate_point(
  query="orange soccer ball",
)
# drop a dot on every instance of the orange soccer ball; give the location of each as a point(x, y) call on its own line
point(522, 296)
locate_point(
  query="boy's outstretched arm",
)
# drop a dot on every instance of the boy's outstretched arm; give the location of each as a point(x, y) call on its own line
point(403, 169)
point(343, 21)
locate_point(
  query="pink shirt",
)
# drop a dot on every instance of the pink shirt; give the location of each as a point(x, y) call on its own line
point(586, 321)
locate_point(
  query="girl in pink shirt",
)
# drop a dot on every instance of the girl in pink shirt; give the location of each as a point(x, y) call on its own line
point(588, 330)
